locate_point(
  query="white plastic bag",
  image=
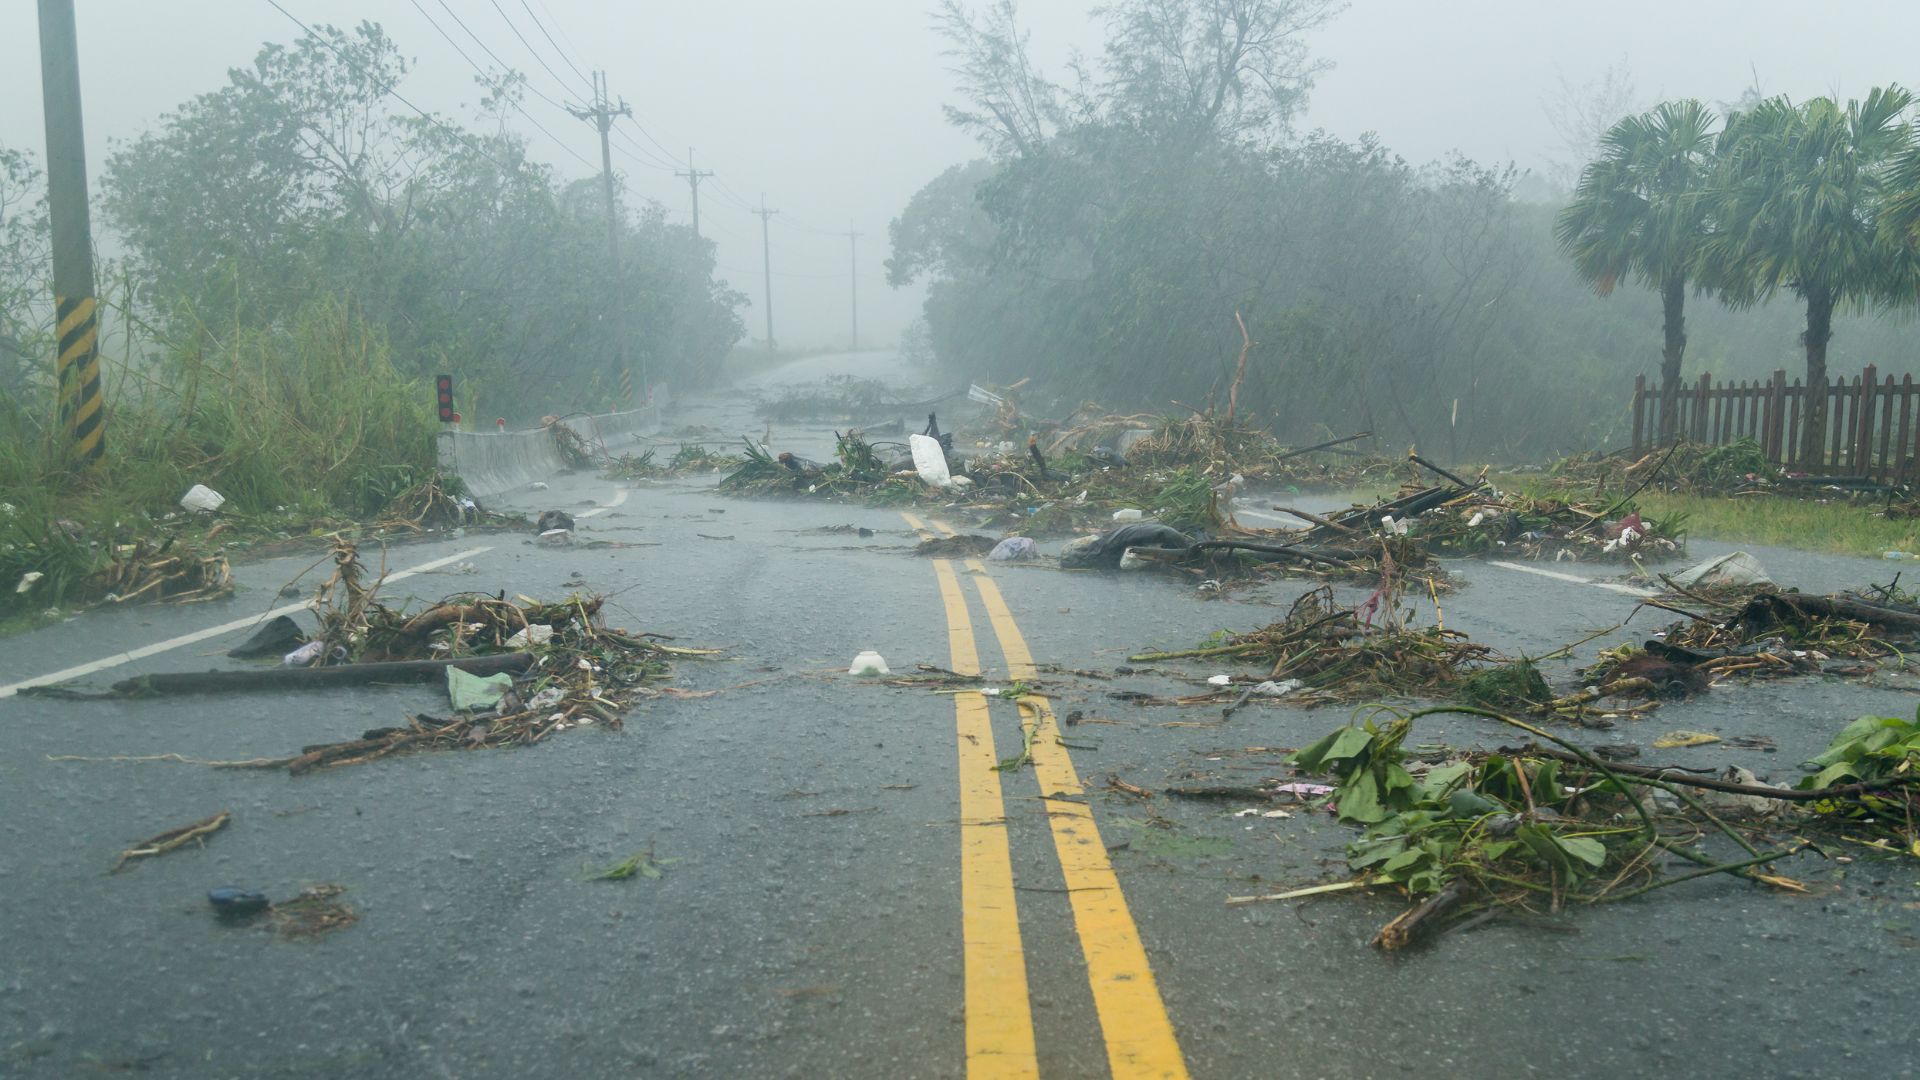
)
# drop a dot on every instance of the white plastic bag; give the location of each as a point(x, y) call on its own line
point(869, 663)
point(202, 498)
point(929, 460)
point(1733, 568)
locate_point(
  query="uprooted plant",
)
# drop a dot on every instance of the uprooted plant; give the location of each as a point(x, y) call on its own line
point(1539, 828)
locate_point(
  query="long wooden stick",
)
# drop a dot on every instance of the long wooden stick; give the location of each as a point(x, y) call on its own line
point(1240, 370)
point(319, 678)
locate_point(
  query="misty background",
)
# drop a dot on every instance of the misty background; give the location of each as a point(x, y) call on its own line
point(1384, 223)
point(833, 110)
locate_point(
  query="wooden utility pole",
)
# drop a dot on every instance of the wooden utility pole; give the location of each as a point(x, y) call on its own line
point(766, 263)
point(694, 176)
point(602, 114)
point(853, 286)
point(77, 360)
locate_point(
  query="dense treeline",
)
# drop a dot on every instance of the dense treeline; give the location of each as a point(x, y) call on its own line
point(289, 260)
point(1116, 226)
point(302, 190)
point(302, 177)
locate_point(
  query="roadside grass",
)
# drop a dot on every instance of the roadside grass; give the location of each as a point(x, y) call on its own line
point(1837, 528)
point(1830, 526)
point(303, 422)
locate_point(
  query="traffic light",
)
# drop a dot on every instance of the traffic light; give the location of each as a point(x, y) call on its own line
point(444, 385)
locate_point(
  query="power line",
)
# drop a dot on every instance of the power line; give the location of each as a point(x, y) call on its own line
point(650, 138)
point(388, 90)
point(652, 159)
point(532, 89)
point(523, 40)
point(517, 107)
point(558, 51)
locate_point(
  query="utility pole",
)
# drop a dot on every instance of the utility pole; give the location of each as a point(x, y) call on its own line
point(853, 287)
point(77, 361)
point(694, 176)
point(766, 263)
point(602, 114)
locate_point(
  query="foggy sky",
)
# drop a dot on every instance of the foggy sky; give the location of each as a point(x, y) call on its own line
point(832, 108)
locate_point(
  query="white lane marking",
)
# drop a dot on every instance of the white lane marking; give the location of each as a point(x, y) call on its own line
point(143, 651)
point(618, 498)
point(1610, 586)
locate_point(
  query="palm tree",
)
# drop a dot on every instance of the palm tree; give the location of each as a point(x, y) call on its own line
point(1638, 210)
point(1900, 213)
point(1795, 207)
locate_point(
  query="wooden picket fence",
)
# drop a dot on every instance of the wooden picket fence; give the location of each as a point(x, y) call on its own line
point(1871, 423)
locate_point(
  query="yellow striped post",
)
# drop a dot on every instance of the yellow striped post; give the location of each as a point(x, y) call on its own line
point(77, 364)
point(81, 403)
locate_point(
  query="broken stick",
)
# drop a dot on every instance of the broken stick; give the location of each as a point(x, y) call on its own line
point(173, 840)
point(319, 678)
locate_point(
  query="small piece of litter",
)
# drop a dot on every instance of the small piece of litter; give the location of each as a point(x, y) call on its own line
point(202, 498)
point(1219, 680)
point(869, 663)
point(531, 634)
point(1302, 789)
point(305, 655)
point(1675, 739)
point(1012, 549)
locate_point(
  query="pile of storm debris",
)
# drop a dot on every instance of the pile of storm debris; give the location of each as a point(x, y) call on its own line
point(517, 670)
point(1766, 633)
point(1471, 834)
point(1467, 836)
point(1167, 499)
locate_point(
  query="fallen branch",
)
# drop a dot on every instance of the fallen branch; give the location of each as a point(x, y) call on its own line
point(1416, 920)
point(173, 840)
point(1676, 775)
point(319, 678)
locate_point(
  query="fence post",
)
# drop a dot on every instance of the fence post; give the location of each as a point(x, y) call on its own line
point(1701, 405)
point(1639, 410)
point(1863, 423)
point(1776, 416)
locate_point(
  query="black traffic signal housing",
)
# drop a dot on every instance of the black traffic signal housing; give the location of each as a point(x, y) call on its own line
point(443, 386)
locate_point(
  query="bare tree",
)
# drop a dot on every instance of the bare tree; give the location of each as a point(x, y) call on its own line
point(1582, 114)
point(1011, 107)
point(1231, 68)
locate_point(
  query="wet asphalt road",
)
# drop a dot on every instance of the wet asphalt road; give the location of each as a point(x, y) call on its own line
point(808, 919)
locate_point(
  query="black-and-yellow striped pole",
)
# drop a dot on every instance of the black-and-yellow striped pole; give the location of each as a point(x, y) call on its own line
point(79, 370)
point(626, 386)
point(82, 407)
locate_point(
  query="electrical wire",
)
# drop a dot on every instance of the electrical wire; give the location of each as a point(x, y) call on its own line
point(532, 89)
point(389, 91)
point(521, 109)
point(523, 40)
point(558, 51)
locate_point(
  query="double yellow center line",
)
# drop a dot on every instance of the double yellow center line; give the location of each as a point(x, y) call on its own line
point(1000, 1041)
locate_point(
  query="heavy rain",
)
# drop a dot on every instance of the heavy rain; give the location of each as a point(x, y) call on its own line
point(958, 538)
